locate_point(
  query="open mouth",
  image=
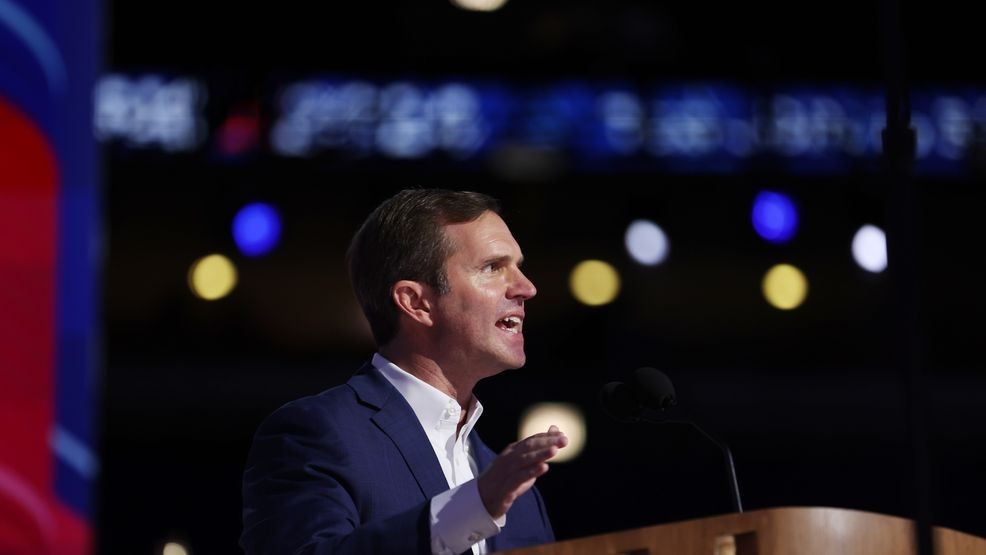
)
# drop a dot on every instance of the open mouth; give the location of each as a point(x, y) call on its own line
point(510, 324)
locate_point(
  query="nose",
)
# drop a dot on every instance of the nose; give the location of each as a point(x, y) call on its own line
point(521, 288)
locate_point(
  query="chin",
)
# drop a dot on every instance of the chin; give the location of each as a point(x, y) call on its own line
point(514, 356)
point(516, 362)
point(508, 362)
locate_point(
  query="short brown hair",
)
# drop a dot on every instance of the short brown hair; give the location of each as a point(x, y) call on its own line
point(403, 239)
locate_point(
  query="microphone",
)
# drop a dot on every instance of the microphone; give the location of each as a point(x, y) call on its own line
point(645, 399)
point(650, 392)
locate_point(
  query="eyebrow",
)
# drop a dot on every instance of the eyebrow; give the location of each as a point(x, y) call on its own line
point(502, 259)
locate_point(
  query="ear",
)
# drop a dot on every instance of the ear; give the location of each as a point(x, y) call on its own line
point(413, 299)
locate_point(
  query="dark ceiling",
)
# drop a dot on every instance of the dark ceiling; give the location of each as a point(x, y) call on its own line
point(761, 41)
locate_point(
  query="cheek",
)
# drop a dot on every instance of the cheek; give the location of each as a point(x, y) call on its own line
point(474, 307)
point(478, 302)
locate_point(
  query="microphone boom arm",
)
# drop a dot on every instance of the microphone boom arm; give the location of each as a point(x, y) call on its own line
point(647, 401)
point(727, 454)
point(730, 466)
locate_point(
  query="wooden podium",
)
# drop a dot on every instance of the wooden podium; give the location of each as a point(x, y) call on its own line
point(783, 531)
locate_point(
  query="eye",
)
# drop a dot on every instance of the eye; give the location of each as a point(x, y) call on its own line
point(493, 266)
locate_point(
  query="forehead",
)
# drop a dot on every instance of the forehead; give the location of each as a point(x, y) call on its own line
point(487, 234)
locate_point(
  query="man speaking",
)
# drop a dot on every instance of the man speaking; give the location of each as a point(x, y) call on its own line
point(389, 462)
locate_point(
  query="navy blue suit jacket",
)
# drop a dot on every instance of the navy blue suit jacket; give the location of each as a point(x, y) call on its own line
point(351, 471)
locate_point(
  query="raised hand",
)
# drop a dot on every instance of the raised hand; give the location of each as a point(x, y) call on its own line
point(516, 468)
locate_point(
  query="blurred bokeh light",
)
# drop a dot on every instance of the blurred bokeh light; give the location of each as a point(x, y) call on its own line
point(174, 548)
point(785, 287)
point(150, 111)
point(480, 5)
point(239, 134)
point(646, 242)
point(869, 248)
point(774, 217)
point(594, 282)
point(256, 229)
point(569, 419)
point(212, 277)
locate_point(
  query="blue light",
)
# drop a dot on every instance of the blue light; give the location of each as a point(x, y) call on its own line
point(256, 229)
point(774, 217)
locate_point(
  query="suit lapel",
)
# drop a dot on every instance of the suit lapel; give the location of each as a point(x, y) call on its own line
point(396, 419)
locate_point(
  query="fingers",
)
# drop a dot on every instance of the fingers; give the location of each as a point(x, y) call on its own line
point(536, 449)
point(537, 470)
point(538, 456)
point(528, 458)
point(563, 440)
point(553, 437)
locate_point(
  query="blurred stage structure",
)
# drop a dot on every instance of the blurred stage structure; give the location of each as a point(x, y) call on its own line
point(49, 197)
point(579, 126)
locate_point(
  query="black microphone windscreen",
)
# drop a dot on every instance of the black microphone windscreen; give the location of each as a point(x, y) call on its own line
point(654, 388)
point(618, 402)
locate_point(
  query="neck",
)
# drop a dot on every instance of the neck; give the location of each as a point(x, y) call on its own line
point(429, 370)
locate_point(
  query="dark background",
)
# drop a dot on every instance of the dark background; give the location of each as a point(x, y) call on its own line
point(813, 401)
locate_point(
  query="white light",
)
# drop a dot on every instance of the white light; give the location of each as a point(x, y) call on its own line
point(458, 121)
point(150, 111)
point(954, 123)
point(869, 248)
point(569, 420)
point(646, 242)
point(172, 548)
point(405, 129)
point(690, 126)
point(480, 5)
point(623, 118)
point(289, 140)
point(398, 120)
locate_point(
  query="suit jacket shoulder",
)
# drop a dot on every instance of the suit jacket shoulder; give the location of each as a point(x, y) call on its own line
point(351, 471)
point(316, 477)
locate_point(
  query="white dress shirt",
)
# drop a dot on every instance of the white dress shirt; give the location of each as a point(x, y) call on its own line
point(459, 520)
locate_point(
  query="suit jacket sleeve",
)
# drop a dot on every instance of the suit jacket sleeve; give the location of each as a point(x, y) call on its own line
point(302, 496)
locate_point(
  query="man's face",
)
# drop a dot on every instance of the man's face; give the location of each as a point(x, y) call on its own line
point(480, 322)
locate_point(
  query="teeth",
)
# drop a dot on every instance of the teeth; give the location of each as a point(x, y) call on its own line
point(511, 324)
